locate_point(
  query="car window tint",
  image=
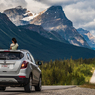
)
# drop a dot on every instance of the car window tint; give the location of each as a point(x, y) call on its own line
point(11, 55)
point(29, 57)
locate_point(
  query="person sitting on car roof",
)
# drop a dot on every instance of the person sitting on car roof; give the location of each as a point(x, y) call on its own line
point(14, 45)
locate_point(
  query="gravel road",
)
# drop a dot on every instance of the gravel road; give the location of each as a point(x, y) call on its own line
point(69, 91)
point(61, 91)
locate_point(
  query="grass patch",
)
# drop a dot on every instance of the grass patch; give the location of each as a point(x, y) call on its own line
point(92, 86)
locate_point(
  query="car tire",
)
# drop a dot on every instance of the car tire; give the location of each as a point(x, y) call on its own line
point(39, 86)
point(2, 88)
point(28, 87)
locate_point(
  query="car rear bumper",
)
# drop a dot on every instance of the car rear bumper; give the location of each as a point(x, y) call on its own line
point(13, 81)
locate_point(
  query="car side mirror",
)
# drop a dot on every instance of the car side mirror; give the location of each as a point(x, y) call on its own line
point(39, 63)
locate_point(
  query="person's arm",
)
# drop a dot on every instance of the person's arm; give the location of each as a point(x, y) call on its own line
point(10, 48)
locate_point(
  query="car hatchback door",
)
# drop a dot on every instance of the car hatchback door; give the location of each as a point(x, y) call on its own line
point(10, 62)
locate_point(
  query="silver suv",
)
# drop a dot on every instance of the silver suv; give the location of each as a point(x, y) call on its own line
point(18, 69)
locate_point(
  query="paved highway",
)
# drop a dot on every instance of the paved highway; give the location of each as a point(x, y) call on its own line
point(20, 90)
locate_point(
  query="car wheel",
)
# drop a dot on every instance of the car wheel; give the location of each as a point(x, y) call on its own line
point(2, 88)
point(28, 87)
point(39, 86)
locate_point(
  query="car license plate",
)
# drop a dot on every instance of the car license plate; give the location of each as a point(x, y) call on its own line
point(4, 65)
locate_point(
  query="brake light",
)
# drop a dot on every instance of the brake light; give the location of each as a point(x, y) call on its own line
point(24, 64)
point(6, 51)
point(22, 77)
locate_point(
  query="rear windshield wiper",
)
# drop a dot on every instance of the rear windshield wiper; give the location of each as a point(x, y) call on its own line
point(2, 58)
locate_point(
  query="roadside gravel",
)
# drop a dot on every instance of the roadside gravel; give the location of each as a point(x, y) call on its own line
point(69, 91)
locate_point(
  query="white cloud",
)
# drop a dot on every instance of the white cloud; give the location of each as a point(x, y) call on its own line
point(35, 6)
point(92, 32)
point(57, 2)
point(82, 14)
point(90, 25)
point(6, 4)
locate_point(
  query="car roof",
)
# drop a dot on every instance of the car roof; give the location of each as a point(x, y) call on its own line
point(22, 50)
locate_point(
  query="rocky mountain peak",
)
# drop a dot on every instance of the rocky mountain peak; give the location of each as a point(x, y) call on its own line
point(56, 12)
point(53, 17)
point(82, 31)
point(55, 8)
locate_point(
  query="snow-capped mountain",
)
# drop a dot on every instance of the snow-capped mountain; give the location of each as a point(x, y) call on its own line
point(19, 15)
point(54, 19)
point(29, 16)
point(88, 37)
point(51, 19)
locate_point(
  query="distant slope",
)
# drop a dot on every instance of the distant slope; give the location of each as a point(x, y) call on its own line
point(41, 48)
point(88, 37)
point(46, 49)
point(54, 19)
point(52, 35)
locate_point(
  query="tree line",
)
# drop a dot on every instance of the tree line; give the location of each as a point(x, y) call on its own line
point(67, 72)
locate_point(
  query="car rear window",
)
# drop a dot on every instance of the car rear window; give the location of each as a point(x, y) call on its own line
point(11, 55)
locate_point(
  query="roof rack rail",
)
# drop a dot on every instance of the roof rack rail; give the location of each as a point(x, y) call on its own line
point(23, 50)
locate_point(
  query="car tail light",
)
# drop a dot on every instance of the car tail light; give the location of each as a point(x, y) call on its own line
point(22, 77)
point(6, 51)
point(24, 64)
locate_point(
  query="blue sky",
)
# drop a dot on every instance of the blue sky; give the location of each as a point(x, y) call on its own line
point(80, 12)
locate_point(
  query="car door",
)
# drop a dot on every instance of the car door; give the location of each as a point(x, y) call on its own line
point(35, 68)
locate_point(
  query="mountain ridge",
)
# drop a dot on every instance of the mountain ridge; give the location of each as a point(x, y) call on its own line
point(41, 47)
point(51, 19)
point(54, 19)
point(52, 35)
point(23, 14)
point(88, 37)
